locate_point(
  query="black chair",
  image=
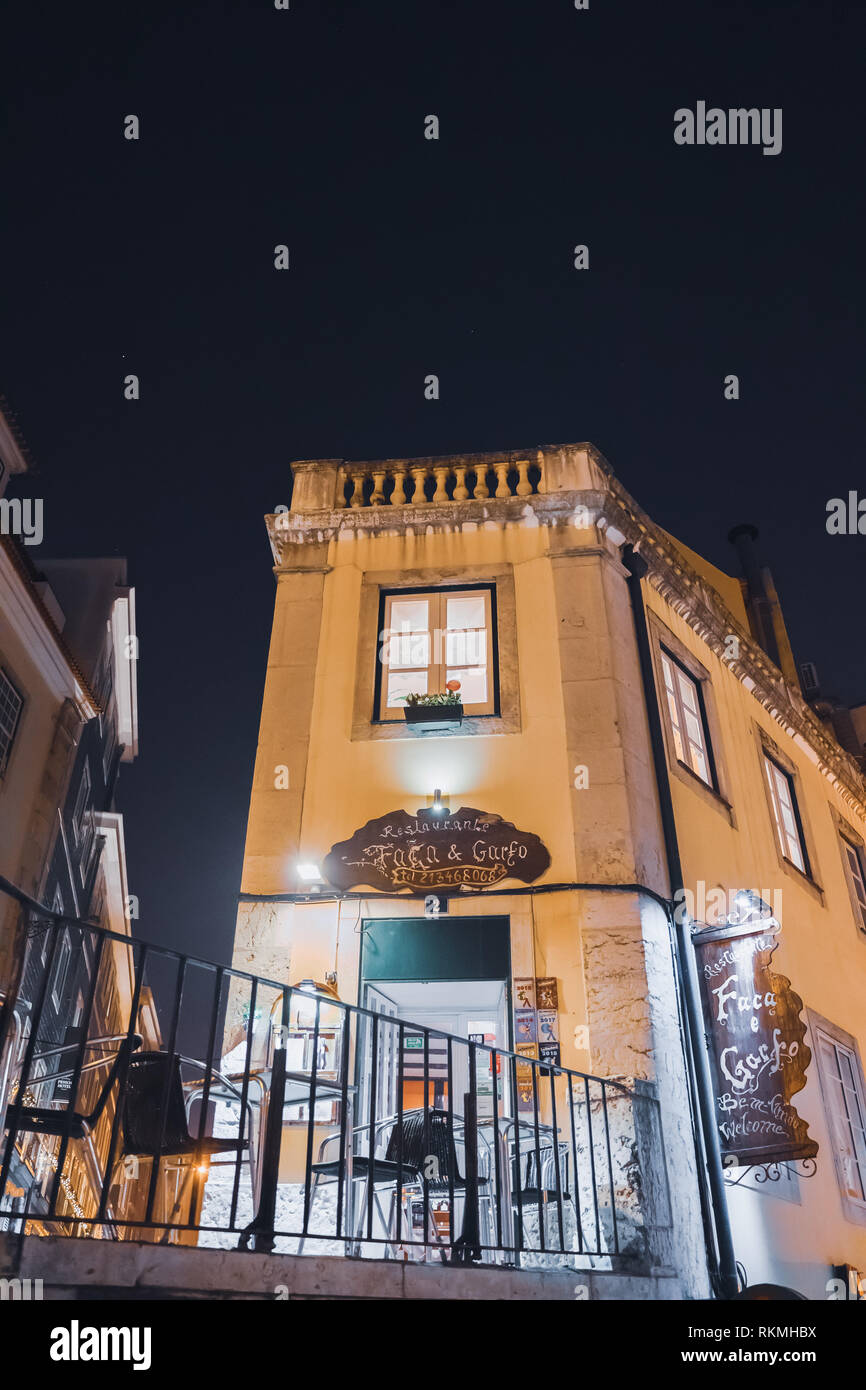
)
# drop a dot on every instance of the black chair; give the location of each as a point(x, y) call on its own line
point(367, 1169)
point(434, 1137)
point(410, 1146)
point(539, 1191)
point(36, 1119)
point(532, 1190)
point(142, 1128)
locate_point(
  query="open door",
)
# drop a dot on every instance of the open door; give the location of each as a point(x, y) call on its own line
point(387, 1047)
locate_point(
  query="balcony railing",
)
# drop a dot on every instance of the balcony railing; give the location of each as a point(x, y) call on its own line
point(419, 483)
point(271, 1117)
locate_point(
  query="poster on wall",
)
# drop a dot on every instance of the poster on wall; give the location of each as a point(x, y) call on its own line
point(524, 1026)
point(548, 1026)
point(525, 1090)
point(524, 993)
point(547, 993)
point(756, 1039)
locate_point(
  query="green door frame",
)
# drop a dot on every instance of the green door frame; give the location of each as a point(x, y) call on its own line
point(465, 931)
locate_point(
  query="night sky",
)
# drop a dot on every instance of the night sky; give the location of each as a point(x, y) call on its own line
point(411, 257)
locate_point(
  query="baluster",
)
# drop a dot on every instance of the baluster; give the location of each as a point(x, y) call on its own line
point(342, 479)
point(441, 475)
point(524, 486)
point(358, 494)
point(501, 480)
point(377, 496)
point(419, 474)
point(398, 496)
point(461, 491)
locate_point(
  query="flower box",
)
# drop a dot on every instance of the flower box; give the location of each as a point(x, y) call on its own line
point(424, 719)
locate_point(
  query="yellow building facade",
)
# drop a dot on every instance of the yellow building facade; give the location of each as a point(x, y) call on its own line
point(533, 558)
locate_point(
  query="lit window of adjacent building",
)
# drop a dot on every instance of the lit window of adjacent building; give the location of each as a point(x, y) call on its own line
point(430, 639)
point(687, 719)
point(853, 859)
point(61, 970)
point(11, 704)
point(82, 823)
point(842, 1084)
point(789, 830)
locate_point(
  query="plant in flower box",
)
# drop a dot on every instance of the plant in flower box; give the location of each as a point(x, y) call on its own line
point(442, 709)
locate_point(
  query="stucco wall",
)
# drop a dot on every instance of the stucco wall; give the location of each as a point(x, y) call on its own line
point(820, 949)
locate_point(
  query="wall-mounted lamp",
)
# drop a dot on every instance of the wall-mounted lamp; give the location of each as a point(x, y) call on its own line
point(309, 873)
point(749, 906)
point(439, 807)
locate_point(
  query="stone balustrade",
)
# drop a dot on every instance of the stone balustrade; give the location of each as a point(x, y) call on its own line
point(417, 484)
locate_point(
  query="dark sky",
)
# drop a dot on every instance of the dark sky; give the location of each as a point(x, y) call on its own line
point(409, 257)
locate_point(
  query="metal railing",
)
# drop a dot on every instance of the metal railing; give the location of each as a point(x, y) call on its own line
point(271, 1117)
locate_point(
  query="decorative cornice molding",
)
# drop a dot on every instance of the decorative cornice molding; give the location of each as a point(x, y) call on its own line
point(695, 600)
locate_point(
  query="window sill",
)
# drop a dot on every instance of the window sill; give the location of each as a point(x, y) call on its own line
point(711, 795)
point(473, 726)
point(805, 880)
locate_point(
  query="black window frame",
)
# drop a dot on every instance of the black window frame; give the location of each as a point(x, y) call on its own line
point(398, 592)
point(798, 819)
point(697, 682)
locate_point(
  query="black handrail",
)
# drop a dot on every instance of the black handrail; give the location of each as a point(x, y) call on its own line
point(583, 1199)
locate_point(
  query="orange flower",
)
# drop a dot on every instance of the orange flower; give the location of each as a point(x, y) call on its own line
point(452, 685)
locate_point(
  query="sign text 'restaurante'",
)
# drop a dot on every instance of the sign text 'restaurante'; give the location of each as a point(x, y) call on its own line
point(470, 848)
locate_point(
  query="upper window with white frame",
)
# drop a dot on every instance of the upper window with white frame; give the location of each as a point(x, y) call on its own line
point(855, 871)
point(786, 815)
point(845, 1103)
point(687, 719)
point(433, 637)
point(11, 705)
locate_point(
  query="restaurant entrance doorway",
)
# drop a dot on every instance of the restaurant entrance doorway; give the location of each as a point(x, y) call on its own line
point(446, 975)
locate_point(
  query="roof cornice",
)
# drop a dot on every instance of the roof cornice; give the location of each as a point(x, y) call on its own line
point(700, 605)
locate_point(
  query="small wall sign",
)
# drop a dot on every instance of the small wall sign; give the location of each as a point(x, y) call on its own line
point(465, 848)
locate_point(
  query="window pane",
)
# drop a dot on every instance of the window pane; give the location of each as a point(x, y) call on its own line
point(410, 614)
point(699, 764)
point(468, 611)
point(693, 729)
point(689, 694)
point(675, 727)
point(405, 683)
point(468, 647)
point(466, 631)
point(408, 648)
point(473, 684)
point(409, 640)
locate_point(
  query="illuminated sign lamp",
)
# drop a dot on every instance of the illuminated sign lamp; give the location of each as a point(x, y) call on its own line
point(309, 873)
point(749, 906)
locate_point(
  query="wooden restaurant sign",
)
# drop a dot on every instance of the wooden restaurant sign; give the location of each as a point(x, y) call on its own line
point(758, 1057)
point(465, 848)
